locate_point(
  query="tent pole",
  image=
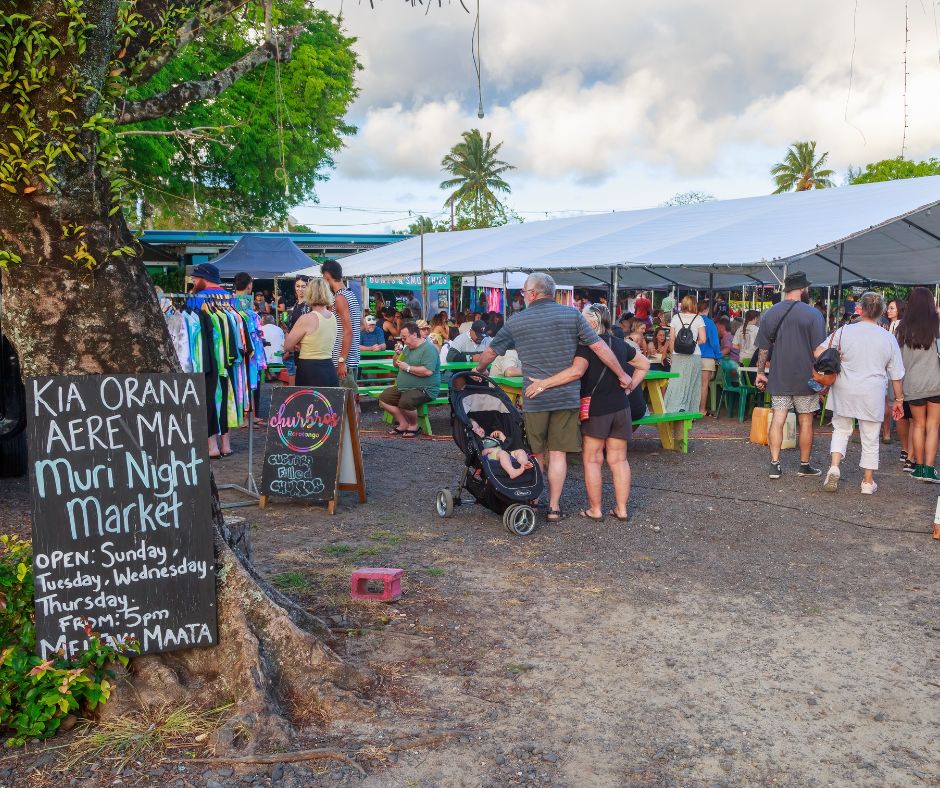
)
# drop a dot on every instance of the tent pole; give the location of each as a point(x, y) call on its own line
point(505, 297)
point(424, 281)
point(614, 286)
point(828, 304)
point(839, 288)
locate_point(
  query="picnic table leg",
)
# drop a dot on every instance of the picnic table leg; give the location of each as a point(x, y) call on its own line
point(424, 421)
point(667, 435)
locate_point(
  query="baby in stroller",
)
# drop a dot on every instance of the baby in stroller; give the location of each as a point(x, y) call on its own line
point(496, 446)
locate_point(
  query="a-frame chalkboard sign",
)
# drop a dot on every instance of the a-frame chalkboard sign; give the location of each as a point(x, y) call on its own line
point(312, 446)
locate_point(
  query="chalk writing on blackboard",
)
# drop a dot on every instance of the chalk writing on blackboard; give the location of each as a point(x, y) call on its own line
point(122, 529)
point(303, 442)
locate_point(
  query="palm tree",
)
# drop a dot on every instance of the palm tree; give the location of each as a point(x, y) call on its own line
point(800, 169)
point(477, 177)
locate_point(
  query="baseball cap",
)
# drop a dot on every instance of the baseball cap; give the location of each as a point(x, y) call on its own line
point(422, 323)
point(478, 327)
point(208, 272)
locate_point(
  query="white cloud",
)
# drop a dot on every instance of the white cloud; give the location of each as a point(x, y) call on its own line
point(672, 92)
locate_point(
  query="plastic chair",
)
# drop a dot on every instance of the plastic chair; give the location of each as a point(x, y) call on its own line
point(735, 383)
point(717, 382)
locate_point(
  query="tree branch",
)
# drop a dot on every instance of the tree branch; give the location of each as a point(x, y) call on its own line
point(186, 34)
point(179, 96)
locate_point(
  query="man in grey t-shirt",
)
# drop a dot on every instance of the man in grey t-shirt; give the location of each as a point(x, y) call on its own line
point(792, 330)
point(546, 335)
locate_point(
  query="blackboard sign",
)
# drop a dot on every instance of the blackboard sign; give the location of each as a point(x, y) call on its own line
point(303, 442)
point(122, 528)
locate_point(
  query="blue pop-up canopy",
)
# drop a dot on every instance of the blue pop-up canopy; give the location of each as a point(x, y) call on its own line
point(263, 255)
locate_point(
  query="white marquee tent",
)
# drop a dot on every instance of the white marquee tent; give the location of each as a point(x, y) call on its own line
point(884, 232)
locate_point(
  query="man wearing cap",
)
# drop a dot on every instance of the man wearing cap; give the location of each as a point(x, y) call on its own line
point(206, 279)
point(788, 335)
point(467, 347)
point(371, 336)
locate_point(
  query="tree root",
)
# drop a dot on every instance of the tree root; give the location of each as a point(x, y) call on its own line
point(297, 756)
point(283, 757)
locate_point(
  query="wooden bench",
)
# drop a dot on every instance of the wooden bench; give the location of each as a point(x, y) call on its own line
point(668, 421)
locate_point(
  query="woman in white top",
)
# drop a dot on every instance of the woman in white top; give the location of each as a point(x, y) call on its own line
point(685, 392)
point(745, 338)
point(870, 357)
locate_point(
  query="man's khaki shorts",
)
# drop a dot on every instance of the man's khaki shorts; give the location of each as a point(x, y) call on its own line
point(553, 430)
point(708, 365)
point(406, 399)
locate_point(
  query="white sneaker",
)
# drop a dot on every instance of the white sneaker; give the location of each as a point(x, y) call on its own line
point(869, 489)
point(831, 484)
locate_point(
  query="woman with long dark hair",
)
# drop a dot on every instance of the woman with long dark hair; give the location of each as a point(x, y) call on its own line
point(917, 335)
point(894, 312)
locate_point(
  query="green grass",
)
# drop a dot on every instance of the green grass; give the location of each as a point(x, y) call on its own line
point(367, 551)
point(434, 571)
point(389, 537)
point(516, 668)
point(338, 549)
point(290, 581)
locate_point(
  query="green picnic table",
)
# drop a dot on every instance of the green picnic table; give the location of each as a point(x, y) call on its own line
point(654, 384)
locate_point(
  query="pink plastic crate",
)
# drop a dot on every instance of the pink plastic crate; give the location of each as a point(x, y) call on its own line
point(362, 579)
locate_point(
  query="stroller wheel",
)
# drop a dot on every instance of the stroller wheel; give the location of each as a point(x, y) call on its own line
point(444, 502)
point(519, 519)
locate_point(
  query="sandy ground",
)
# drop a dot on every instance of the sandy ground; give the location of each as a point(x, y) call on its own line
point(737, 631)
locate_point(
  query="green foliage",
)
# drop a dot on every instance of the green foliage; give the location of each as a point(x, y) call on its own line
point(477, 177)
point(170, 281)
point(30, 56)
point(36, 695)
point(895, 169)
point(229, 172)
point(801, 170)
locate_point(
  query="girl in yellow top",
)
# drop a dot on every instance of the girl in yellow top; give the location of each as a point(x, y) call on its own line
point(315, 334)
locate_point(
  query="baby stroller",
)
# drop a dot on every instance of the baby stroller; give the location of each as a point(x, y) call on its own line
point(476, 397)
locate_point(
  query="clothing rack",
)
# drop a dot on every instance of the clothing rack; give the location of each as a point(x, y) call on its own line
point(250, 487)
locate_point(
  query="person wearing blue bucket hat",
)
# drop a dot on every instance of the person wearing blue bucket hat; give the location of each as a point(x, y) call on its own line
point(204, 276)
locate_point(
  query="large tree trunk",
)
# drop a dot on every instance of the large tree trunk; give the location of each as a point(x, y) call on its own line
point(65, 318)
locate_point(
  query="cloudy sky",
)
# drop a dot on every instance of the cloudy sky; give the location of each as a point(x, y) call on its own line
point(604, 104)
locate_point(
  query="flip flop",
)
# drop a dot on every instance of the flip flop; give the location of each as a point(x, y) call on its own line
point(410, 433)
point(226, 454)
point(214, 456)
point(554, 515)
point(583, 513)
point(396, 431)
point(613, 513)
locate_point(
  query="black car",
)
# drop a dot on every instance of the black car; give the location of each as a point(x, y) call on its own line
point(13, 460)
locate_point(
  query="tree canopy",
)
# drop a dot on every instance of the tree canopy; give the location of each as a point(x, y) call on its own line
point(689, 198)
point(895, 169)
point(801, 170)
point(244, 159)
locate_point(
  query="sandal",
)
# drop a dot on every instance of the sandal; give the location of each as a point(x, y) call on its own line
point(214, 456)
point(554, 515)
point(396, 431)
point(613, 513)
point(588, 516)
point(410, 433)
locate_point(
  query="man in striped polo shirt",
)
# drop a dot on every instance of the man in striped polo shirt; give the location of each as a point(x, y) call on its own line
point(348, 323)
point(546, 335)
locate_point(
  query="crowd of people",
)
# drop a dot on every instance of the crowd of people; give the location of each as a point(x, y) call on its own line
point(582, 390)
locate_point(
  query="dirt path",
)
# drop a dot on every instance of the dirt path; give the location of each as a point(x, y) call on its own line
point(737, 631)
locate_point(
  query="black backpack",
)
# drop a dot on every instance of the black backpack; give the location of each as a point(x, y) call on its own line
point(685, 339)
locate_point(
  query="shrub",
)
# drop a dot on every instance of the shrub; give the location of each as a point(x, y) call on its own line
point(36, 694)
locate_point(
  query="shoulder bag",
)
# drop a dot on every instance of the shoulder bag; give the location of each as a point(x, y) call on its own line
point(584, 411)
point(829, 363)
